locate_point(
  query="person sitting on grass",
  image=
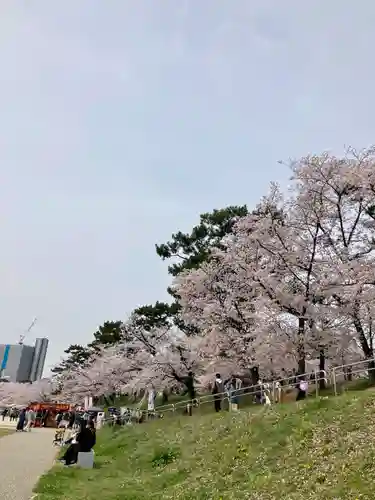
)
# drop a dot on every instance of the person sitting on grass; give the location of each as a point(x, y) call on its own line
point(83, 442)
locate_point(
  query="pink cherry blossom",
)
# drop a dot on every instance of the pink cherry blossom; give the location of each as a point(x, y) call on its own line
point(12, 393)
point(293, 283)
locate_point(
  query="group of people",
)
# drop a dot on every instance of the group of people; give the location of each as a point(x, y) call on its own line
point(12, 413)
point(26, 420)
point(75, 419)
point(26, 417)
point(219, 388)
point(262, 395)
point(68, 419)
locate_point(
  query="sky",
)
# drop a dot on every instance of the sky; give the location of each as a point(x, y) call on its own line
point(122, 120)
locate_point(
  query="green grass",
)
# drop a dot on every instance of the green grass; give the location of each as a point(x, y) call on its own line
point(5, 432)
point(321, 449)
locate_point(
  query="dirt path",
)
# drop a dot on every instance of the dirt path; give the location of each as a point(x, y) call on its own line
point(24, 457)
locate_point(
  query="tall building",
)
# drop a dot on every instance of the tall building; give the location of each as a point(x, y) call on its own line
point(23, 363)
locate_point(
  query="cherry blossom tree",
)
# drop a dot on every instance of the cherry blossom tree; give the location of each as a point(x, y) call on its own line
point(266, 271)
point(214, 301)
point(165, 357)
point(305, 261)
point(339, 195)
point(108, 373)
point(281, 256)
point(159, 359)
point(292, 282)
point(12, 393)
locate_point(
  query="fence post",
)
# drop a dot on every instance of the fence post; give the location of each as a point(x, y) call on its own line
point(334, 381)
point(273, 392)
point(324, 373)
point(197, 404)
point(316, 382)
point(227, 395)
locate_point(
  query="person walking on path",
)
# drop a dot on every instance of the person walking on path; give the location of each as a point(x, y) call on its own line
point(30, 419)
point(21, 420)
point(13, 414)
point(217, 391)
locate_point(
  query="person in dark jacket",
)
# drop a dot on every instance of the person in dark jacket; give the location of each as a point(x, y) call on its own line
point(87, 438)
point(189, 383)
point(72, 418)
point(45, 417)
point(85, 442)
point(217, 391)
point(21, 420)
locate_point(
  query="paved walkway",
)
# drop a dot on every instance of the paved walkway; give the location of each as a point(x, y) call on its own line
point(24, 457)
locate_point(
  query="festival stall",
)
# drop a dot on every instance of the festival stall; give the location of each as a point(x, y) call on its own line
point(46, 413)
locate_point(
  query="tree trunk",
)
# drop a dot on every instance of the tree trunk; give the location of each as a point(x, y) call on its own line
point(322, 365)
point(301, 346)
point(366, 347)
point(165, 397)
point(371, 371)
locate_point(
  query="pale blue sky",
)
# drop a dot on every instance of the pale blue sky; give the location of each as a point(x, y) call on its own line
point(121, 121)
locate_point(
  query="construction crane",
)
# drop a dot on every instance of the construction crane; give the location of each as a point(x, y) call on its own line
point(22, 337)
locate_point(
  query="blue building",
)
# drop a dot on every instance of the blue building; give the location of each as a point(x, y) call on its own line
point(23, 363)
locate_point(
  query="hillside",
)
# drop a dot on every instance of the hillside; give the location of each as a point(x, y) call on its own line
point(322, 449)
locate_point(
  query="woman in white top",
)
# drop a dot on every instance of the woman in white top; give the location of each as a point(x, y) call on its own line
point(302, 389)
point(30, 419)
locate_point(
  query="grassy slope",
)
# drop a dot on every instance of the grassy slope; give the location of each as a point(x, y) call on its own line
point(322, 449)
